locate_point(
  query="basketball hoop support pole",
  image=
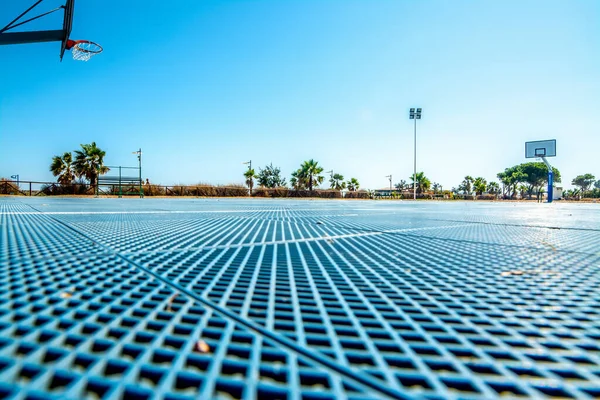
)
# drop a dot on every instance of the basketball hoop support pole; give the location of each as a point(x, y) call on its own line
point(550, 180)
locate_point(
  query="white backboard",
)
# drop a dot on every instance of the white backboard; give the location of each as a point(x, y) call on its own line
point(540, 148)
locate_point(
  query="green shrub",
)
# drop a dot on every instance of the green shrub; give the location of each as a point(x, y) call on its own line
point(486, 197)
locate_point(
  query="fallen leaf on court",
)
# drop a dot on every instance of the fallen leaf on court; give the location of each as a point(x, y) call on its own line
point(549, 245)
point(531, 272)
point(67, 294)
point(201, 347)
point(509, 273)
point(319, 223)
point(171, 299)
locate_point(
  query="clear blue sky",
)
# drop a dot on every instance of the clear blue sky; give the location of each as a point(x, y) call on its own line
point(202, 86)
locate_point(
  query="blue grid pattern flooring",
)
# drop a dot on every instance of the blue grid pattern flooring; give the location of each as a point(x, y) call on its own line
point(255, 299)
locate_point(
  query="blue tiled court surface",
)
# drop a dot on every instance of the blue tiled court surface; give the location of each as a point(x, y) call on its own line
point(307, 300)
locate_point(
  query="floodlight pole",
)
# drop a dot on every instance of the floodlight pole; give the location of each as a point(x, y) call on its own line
point(415, 114)
point(16, 177)
point(390, 177)
point(249, 164)
point(415, 165)
point(550, 180)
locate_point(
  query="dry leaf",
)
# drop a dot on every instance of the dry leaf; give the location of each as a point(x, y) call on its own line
point(201, 347)
point(509, 273)
point(65, 295)
point(171, 299)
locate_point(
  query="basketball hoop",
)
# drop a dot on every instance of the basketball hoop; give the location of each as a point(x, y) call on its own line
point(83, 50)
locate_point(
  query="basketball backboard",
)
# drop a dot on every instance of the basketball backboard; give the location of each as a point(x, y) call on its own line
point(82, 49)
point(67, 25)
point(540, 148)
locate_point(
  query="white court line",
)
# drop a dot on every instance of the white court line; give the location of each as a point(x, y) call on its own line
point(125, 212)
point(299, 240)
point(171, 212)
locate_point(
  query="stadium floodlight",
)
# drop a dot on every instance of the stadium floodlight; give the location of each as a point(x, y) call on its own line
point(415, 115)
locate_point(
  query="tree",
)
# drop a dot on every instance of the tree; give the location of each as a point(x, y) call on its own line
point(270, 177)
point(353, 185)
point(493, 188)
point(63, 168)
point(250, 175)
point(510, 178)
point(436, 187)
point(536, 175)
point(337, 182)
point(89, 162)
point(400, 185)
point(310, 171)
point(479, 185)
point(465, 185)
point(597, 184)
point(584, 181)
point(298, 181)
point(533, 174)
point(423, 183)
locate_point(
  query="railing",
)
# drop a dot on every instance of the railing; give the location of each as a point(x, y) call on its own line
point(37, 188)
point(133, 185)
point(112, 186)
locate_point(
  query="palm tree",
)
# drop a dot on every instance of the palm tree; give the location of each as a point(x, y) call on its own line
point(479, 185)
point(63, 168)
point(423, 183)
point(400, 185)
point(249, 175)
point(353, 184)
point(310, 171)
point(298, 180)
point(89, 162)
point(493, 188)
point(436, 187)
point(337, 182)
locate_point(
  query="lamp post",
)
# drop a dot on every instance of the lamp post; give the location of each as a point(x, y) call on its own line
point(415, 115)
point(390, 177)
point(15, 177)
point(330, 177)
point(139, 154)
point(249, 163)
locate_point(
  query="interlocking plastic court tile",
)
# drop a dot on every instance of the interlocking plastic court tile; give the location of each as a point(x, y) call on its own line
point(424, 299)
